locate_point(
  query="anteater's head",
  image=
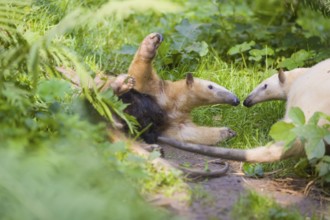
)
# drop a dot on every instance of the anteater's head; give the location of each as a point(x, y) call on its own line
point(204, 92)
point(272, 88)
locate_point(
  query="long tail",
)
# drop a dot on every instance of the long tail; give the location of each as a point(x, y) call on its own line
point(195, 173)
point(263, 154)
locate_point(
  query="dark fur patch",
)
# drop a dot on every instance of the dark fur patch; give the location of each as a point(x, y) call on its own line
point(189, 80)
point(146, 110)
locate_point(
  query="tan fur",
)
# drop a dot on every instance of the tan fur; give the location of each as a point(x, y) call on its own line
point(178, 98)
point(307, 89)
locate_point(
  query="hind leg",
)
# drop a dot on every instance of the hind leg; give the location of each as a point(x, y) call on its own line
point(199, 134)
point(141, 66)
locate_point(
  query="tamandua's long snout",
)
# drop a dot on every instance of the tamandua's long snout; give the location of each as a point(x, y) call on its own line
point(236, 101)
point(232, 99)
point(248, 102)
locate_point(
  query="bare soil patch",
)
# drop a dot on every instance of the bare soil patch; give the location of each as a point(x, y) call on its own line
point(215, 197)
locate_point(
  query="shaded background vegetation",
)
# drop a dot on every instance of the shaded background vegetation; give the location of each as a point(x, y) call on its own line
point(57, 164)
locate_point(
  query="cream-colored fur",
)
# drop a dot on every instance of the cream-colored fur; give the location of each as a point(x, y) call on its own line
point(275, 87)
point(307, 89)
point(178, 98)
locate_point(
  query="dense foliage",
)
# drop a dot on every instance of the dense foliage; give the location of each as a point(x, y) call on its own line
point(55, 163)
point(314, 137)
point(253, 206)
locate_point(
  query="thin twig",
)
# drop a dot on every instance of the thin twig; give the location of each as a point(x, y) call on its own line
point(309, 186)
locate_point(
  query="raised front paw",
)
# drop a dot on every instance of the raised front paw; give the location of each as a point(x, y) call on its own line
point(149, 45)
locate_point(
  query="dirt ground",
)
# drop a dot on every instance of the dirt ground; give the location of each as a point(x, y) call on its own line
point(215, 197)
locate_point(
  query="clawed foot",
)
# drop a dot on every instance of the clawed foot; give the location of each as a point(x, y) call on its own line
point(128, 84)
point(226, 133)
point(149, 45)
point(124, 83)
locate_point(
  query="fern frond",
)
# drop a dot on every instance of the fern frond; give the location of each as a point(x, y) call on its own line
point(319, 5)
point(40, 55)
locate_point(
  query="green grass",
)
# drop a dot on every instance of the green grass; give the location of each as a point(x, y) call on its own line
point(253, 206)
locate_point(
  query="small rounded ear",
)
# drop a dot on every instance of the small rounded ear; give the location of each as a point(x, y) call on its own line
point(189, 80)
point(281, 76)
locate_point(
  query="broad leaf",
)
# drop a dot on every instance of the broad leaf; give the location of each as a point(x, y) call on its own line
point(315, 118)
point(281, 131)
point(323, 166)
point(297, 116)
point(257, 54)
point(315, 149)
point(327, 138)
point(190, 31)
point(239, 48)
point(53, 89)
point(296, 60)
point(253, 170)
point(310, 132)
point(199, 47)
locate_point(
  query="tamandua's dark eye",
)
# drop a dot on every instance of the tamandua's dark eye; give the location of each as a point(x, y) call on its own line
point(210, 87)
point(265, 86)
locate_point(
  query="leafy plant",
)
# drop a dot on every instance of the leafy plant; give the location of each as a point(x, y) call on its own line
point(240, 48)
point(253, 170)
point(297, 59)
point(312, 136)
point(320, 5)
point(253, 206)
point(55, 164)
point(68, 183)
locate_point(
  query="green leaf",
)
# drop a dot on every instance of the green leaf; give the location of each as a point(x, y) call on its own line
point(257, 54)
point(239, 48)
point(15, 96)
point(55, 107)
point(199, 47)
point(310, 132)
point(315, 118)
point(301, 167)
point(296, 60)
point(253, 170)
point(53, 89)
point(327, 138)
point(297, 116)
point(188, 30)
point(323, 167)
point(281, 131)
point(315, 149)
